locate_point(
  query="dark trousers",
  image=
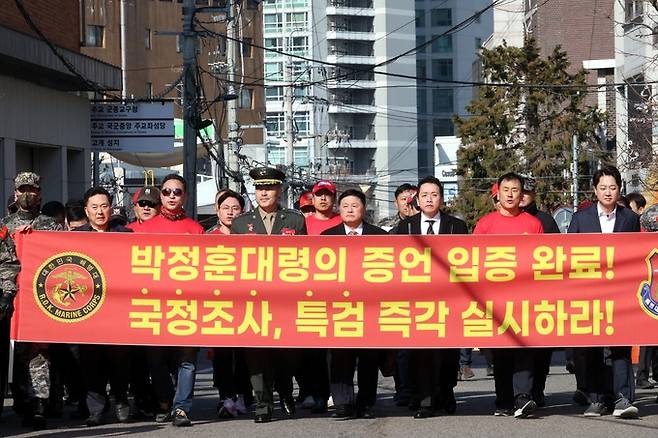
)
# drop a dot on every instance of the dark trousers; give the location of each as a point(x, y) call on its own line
point(270, 368)
point(648, 363)
point(230, 374)
point(106, 363)
point(313, 374)
point(402, 377)
point(140, 378)
point(4, 360)
point(434, 375)
point(343, 363)
point(542, 368)
point(163, 364)
point(513, 374)
point(605, 373)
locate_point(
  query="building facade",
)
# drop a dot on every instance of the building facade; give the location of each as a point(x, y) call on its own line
point(45, 110)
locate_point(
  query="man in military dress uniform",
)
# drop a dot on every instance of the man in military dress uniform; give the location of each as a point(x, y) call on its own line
point(32, 382)
point(9, 267)
point(266, 365)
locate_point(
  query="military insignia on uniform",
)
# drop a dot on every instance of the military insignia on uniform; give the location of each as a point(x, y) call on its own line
point(3, 232)
point(288, 232)
point(69, 287)
point(250, 228)
point(648, 291)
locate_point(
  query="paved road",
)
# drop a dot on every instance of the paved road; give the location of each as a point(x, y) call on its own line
point(473, 419)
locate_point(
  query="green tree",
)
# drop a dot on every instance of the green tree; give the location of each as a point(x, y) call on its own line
point(525, 127)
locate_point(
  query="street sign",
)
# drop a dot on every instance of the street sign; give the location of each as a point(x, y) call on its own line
point(132, 127)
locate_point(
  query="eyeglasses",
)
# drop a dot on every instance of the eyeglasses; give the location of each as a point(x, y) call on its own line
point(146, 204)
point(176, 192)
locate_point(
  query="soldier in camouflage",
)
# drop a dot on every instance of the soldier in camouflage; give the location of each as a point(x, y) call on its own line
point(32, 382)
point(9, 267)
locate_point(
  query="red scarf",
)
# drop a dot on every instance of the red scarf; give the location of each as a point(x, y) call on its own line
point(176, 216)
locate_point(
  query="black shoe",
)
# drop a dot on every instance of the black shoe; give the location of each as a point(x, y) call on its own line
point(39, 414)
point(181, 419)
point(343, 412)
point(490, 370)
point(263, 418)
point(580, 398)
point(644, 384)
point(365, 412)
point(319, 407)
point(450, 406)
point(95, 420)
point(288, 406)
point(424, 413)
point(571, 367)
point(540, 399)
point(525, 407)
point(402, 401)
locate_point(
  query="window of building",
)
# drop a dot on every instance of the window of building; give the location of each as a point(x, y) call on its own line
point(276, 155)
point(302, 123)
point(273, 22)
point(420, 18)
point(300, 91)
point(300, 155)
point(421, 67)
point(296, 3)
point(298, 45)
point(276, 124)
point(421, 100)
point(274, 94)
point(94, 35)
point(270, 4)
point(442, 100)
point(149, 90)
point(634, 9)
point(273, 44)
point(422, 131)
point(442, 69)
point(420, 39)
point(247, 47)
point(442, 127)
point(147, 38)
point(296, 20)
point(442, 44)
point(273, 71)
point(246, 98)
point(300, 71)
point(441, 17)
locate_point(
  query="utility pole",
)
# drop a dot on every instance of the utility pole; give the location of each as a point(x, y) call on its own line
point(189, 106)
point(232, 148)
point(290, 127)
point(574, 172)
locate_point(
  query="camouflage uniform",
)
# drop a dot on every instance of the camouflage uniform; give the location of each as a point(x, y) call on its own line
point(32, 366)
point(9, 267)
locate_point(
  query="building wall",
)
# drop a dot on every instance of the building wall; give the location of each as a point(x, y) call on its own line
point(153, 61)
point(55, 18)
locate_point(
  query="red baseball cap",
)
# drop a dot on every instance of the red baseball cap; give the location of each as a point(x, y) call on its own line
point(324, 185)
point(305, 199)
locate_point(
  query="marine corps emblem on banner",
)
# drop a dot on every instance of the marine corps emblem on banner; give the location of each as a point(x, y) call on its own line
point(648, 291)
point(69, 287)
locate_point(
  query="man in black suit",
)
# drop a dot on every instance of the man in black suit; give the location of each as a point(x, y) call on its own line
point(433, 372)
point(605, 371)
point(352, 208)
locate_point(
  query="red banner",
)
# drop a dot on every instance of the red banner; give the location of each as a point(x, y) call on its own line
point(335, 291)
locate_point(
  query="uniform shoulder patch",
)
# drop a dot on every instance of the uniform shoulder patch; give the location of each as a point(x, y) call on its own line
point(3, 232)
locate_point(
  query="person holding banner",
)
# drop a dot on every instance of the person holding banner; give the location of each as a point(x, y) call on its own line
point(513, 367)
point(33, 388)
point(606, 374)
point(433, 372)
point(352, 208)
point(269, 364)
point(9, 268)
point(103, 363)
point(229, 368)
point(178, 360)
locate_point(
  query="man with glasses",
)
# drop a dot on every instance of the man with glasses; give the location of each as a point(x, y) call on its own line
point(172, 219)
point(146, 204)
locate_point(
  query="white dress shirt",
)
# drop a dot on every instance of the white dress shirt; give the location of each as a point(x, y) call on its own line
point(424, 224)
point(359, 229)
point(607, 220)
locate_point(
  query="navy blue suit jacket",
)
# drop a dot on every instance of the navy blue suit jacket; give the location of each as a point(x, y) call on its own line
point(587, 221)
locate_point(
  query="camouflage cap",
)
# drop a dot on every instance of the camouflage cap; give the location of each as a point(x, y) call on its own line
point(27, 179)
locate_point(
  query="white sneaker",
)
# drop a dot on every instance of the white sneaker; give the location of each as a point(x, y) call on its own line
point(240, 406)
point(330, 402)
point(308, 402)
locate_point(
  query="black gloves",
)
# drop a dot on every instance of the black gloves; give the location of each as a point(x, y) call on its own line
point(6, 306)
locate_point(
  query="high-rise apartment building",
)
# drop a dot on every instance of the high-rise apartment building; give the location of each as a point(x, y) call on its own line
point(354, 121)
point(450, 57)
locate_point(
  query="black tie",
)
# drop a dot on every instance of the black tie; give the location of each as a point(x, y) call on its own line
point(430, 230)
